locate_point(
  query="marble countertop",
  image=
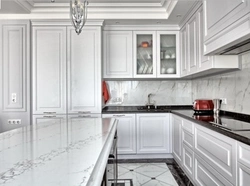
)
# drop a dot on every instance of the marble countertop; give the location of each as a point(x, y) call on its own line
point(56, 153)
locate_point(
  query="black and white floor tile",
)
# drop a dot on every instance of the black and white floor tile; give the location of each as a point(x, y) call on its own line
point(151, 173)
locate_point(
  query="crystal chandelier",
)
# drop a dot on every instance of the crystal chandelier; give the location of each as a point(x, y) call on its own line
point(78, 14)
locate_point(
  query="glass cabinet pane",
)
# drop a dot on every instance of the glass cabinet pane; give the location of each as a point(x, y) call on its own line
point(168, 54)
point(144, 54)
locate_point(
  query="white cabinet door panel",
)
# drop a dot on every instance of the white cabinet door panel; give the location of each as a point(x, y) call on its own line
point(177, 139)
point(126, 132)
point(217, 150)
point(243, 175)
point(188, 160)
point(153, 133)
point(84, 72)
point(49, 70)
point(205, 175)
point(117, 54)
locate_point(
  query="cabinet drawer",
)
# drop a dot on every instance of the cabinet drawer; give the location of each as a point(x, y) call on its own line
point(217, 150)
point(243, 175)
point(205, 175)
point(187, 138)
point(188, 126)
point(244, 154)
point(188, 161)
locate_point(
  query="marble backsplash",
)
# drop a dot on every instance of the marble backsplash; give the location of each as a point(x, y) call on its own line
point(234, 86)
point(163, 92)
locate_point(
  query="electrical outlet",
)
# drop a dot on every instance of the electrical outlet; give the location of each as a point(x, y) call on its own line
point(223, 101)
point(13, 97)
point(15, 121)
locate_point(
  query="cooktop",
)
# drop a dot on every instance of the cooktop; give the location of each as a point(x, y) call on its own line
point(231, 124)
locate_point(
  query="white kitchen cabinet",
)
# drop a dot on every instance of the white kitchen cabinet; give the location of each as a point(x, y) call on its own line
point(167, 61)
point(66, 87)
point(194, 63)
point(205, 175)
point(243, 166)
point(49, 69)
point(188, 161)
point(117, 55)
point(153, 133)
point(84, 70)
point(177, 138)
point(192, 28)
point(226, 22)
point(183, 51)
point(217, 150)
point(126, 132)
point(144, 54)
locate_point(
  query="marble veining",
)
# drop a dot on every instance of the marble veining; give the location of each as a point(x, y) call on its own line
point(54, 153)
point(163, 92)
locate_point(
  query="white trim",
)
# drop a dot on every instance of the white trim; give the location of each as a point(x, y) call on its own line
point(141, 27)
point(26, 5)
point(66, 22)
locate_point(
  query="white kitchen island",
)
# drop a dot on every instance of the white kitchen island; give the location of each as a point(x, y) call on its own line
point(55, 153)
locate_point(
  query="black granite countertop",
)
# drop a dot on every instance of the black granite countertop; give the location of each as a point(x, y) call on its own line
point(186, 112)
point(143, 109)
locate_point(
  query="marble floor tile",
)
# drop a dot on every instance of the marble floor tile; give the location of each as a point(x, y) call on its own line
point(156, 183)
point(138, 179)
point(131, 166)
point(167, 178)
point(150, 170)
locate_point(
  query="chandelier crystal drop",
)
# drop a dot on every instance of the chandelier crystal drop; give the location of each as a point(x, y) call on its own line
point(78, 14)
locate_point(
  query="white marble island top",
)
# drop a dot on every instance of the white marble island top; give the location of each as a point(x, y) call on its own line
point(52, 153)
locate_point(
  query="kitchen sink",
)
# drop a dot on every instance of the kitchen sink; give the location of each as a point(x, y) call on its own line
point(153, 108)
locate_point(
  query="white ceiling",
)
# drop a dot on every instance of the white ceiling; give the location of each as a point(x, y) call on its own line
point(124, 12)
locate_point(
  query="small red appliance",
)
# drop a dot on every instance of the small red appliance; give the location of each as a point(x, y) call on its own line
point(203, 105)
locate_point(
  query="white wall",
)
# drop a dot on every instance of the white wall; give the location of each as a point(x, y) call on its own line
point(235, 86)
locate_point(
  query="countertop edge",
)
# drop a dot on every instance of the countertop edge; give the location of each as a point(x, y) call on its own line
point(230, 134)
point(97, 174)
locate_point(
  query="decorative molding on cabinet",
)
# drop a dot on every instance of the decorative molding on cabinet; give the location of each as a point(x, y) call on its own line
point(49, 70)
point(84, 70)
point(141, 27)
point(15, 65)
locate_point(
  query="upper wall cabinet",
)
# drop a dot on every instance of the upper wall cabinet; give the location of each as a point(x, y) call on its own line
point(49, 69)
point(144, 44)
point(226, 23)
point(117, 56)
point(66, 70)
point(156, 54)
point(167, 54)
point(194, 63)
point(141, 54)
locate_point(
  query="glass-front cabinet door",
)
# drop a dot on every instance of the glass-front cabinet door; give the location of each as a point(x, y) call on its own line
point(144, 54)
point(168, 54)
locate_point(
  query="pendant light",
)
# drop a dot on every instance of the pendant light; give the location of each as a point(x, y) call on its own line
point(78, 14)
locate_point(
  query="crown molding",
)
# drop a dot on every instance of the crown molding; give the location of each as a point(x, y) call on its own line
point(63, 22)
point(141, 27)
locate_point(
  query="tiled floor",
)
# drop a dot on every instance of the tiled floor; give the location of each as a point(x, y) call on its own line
point(148, 173)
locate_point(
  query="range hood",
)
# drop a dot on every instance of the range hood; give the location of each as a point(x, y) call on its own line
point(237, 49)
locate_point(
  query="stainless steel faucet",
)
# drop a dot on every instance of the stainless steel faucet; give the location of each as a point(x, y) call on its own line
point(149, 101)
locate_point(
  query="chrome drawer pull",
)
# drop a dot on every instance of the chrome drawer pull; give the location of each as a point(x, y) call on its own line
point(84, 112)
point(118, 115)
point(49, 112)
point(52, 116)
